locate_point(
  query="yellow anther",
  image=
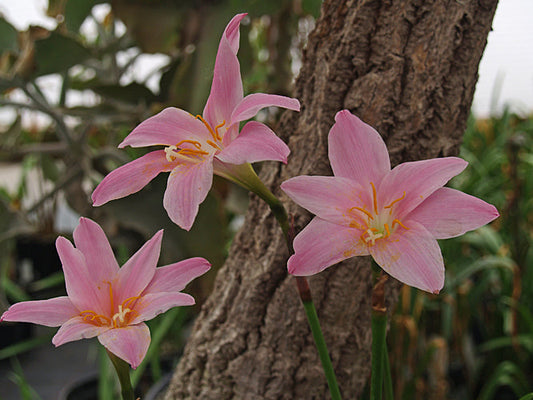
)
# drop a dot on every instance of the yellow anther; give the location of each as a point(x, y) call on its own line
point(195, 143)
point(213, 144)
point(97, 319)
point(217, 127)
point(397, 221)
point(374, 198)
point(388, 231)
point(369, 215)
point(213, 134)
point(394, 201)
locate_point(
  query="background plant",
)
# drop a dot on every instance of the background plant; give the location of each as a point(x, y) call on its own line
point(475, 340)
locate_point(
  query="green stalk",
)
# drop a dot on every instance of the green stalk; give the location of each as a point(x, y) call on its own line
point(123, 372)
point(320, 343)
point(389, 392)
point(247, 178)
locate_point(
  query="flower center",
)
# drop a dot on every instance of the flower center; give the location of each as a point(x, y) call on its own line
point(376, 224)
point(193, 150)
point(118, 319)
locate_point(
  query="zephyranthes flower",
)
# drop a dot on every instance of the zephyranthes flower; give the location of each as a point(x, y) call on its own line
point(393, 215)
point(197, 147)
point(107, 301)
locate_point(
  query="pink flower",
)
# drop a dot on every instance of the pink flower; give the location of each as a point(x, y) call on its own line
point(107, 301)
point(393, 215)
point(198, 147)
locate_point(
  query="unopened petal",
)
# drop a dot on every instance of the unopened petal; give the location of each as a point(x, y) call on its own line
point(356, 150)
point(129, 343)
point(188, 185)
point(91, 240)
point(174, 277)
point(256, 142)
point(251, 104)
point(329, 197)
point(413, 257)
point(131, 177)
point(418, 180)
point(51, 312)
point(151, 305)
point(167, 128)
point(322, 244)
point(449, 213)
point(139, 270)
point(226, 89)
point(75, 329)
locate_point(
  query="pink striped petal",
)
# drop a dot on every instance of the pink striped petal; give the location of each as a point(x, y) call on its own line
point(174, 277)
point(356, 150)
point(131, 177)
point(129, 343)
point(153, 304)
point(328, 197)
point(188, 185)
point(167, 128)
point(226, 89)
point(51, 312)
point(251, 104)
point(75, 329)
point(256, 142)
point(449, 213)
point(413, 257)
point(418, 180)
point(138, 271)
point(322, 244)
point(83, 290)
point(91, 240)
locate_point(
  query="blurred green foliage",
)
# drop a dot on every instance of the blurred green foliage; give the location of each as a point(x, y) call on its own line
point(475, 339)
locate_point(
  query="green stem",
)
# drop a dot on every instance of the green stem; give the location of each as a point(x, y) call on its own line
point(251, 181)
point(123, 372)
point(320, 343)
point(389, 392)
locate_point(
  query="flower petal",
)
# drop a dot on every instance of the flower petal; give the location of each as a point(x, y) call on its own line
point(187, 187)
point(75, 329)
point(251, 104)
point(51, 312)
point(329, 197)
point(91, 240)
point(167, 128)
point(418, 180)
point(256, 142)
point(413, 257)
point(322, 244)
point(174, 277)
point(131, 177)
point(153, 304)
point(129, 343)
point(138, 271)
point(356, 150)
point(226, 89)
point(83, 290)
point(449, 213)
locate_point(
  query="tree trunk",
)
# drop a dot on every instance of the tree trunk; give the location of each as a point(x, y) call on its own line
point(406, 67)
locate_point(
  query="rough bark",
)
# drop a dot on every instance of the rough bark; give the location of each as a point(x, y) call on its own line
point(406, 67)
